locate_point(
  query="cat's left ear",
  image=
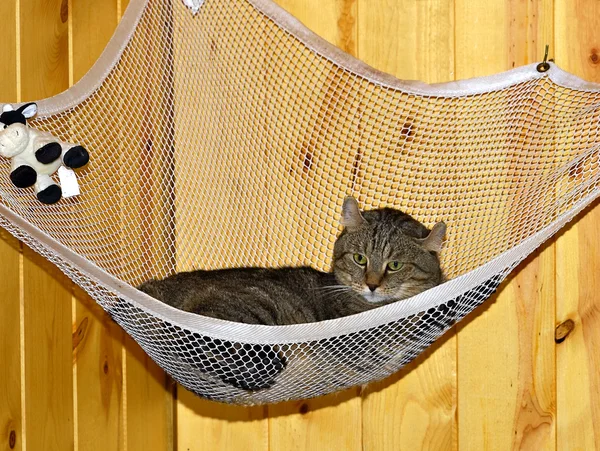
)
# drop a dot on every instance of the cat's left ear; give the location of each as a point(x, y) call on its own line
point(351, 217)
point(433, 242)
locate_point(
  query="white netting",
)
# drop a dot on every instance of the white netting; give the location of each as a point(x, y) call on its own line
point(221, 139)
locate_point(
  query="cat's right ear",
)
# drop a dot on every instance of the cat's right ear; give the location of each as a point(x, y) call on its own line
point(433, 242)
point(351, 217)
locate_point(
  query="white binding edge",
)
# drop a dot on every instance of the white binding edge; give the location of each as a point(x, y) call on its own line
point(326, 329)
point(111, 55)
point(250, 333)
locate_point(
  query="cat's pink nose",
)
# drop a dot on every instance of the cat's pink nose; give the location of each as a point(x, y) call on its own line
point(372, 286)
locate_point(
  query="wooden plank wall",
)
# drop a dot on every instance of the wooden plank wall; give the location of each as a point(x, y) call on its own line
point(69, 378)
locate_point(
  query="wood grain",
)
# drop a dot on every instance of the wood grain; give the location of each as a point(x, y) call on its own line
point(577, 260)
point(149, 408)
point(97, 340)
point(11, 422)
point(48, 355)
point(11, 437)
point(333, 421)
point(44, 48)
point(417, 408)
point(576, 357)
point(505, 353)
point(206, 425)
point(8, 57)
point(328, 422)
point(144, 228)
point(97, 354)
point(47, 294)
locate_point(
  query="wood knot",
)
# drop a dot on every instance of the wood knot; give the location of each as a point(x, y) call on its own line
point(12, 439)
point(79, 334)
point(594, 58)
point(303, 409)
point(105, 367)
point(64, 11)
point(563, 330)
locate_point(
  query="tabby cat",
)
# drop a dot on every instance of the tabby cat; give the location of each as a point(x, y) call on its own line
point(381, 256)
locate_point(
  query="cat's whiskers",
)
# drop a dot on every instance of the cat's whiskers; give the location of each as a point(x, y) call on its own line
point(334, 288)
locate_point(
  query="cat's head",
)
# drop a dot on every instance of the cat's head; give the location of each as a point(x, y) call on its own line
point(385, 254)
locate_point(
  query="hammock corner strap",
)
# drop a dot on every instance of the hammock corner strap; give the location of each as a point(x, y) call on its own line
point(230, 136)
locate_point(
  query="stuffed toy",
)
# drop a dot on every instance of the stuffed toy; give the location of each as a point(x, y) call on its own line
point(35, 155)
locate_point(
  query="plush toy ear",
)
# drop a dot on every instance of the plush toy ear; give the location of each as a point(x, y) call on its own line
point(7, 107)
point(433, 242)
point(351, 217)
point(28, 110)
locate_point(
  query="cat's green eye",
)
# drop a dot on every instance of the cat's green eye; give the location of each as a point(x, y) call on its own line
point(394, 266)
point(360, 259)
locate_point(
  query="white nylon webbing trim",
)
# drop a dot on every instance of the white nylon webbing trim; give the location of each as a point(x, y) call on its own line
point(227, 330)
point(92, 80)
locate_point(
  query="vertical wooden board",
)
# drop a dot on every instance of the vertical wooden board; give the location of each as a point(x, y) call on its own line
point(206, 425)
point(505, 353)
point(576, 357)
point(8, 57)
point(11, 437)
point(329, 422)
point(145, 225)
point(97, 354)
point(11, 434)
point(123, 4)
point(97, 340)
point(148, 394)
point(411, 40)
point(416, 408)
point(93, 25)
point(333, 20)
point(577, 254)
point(47, 312)
point(506, 364)
point(48, 355)
point(332, 421)
point(311, 144)
point(44, 48)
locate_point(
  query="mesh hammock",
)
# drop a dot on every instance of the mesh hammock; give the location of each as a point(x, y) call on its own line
point(230, 137)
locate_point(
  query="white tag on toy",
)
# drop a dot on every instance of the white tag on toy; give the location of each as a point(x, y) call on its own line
point(68, 182)
point(194, 5)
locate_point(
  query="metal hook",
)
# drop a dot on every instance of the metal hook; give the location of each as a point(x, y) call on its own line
point(544, 66)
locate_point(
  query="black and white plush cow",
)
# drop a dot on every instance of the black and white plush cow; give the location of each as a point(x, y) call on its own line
point(35, 154)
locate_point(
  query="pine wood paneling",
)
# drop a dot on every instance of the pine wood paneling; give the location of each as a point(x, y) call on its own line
point(493, 386)
point(335, 421)
point(11, 422)
point(415, 409)
point(44, 48)
point(8, 57)
point(47, 298)
point(330, 422)
point(97, 342)
point(205, 425)
point(48, 356)
point(10, 345)
point(577, 260)
point(149, 419)
point(505, 351)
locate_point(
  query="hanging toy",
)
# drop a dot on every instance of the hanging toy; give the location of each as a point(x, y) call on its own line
point(35, 155)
